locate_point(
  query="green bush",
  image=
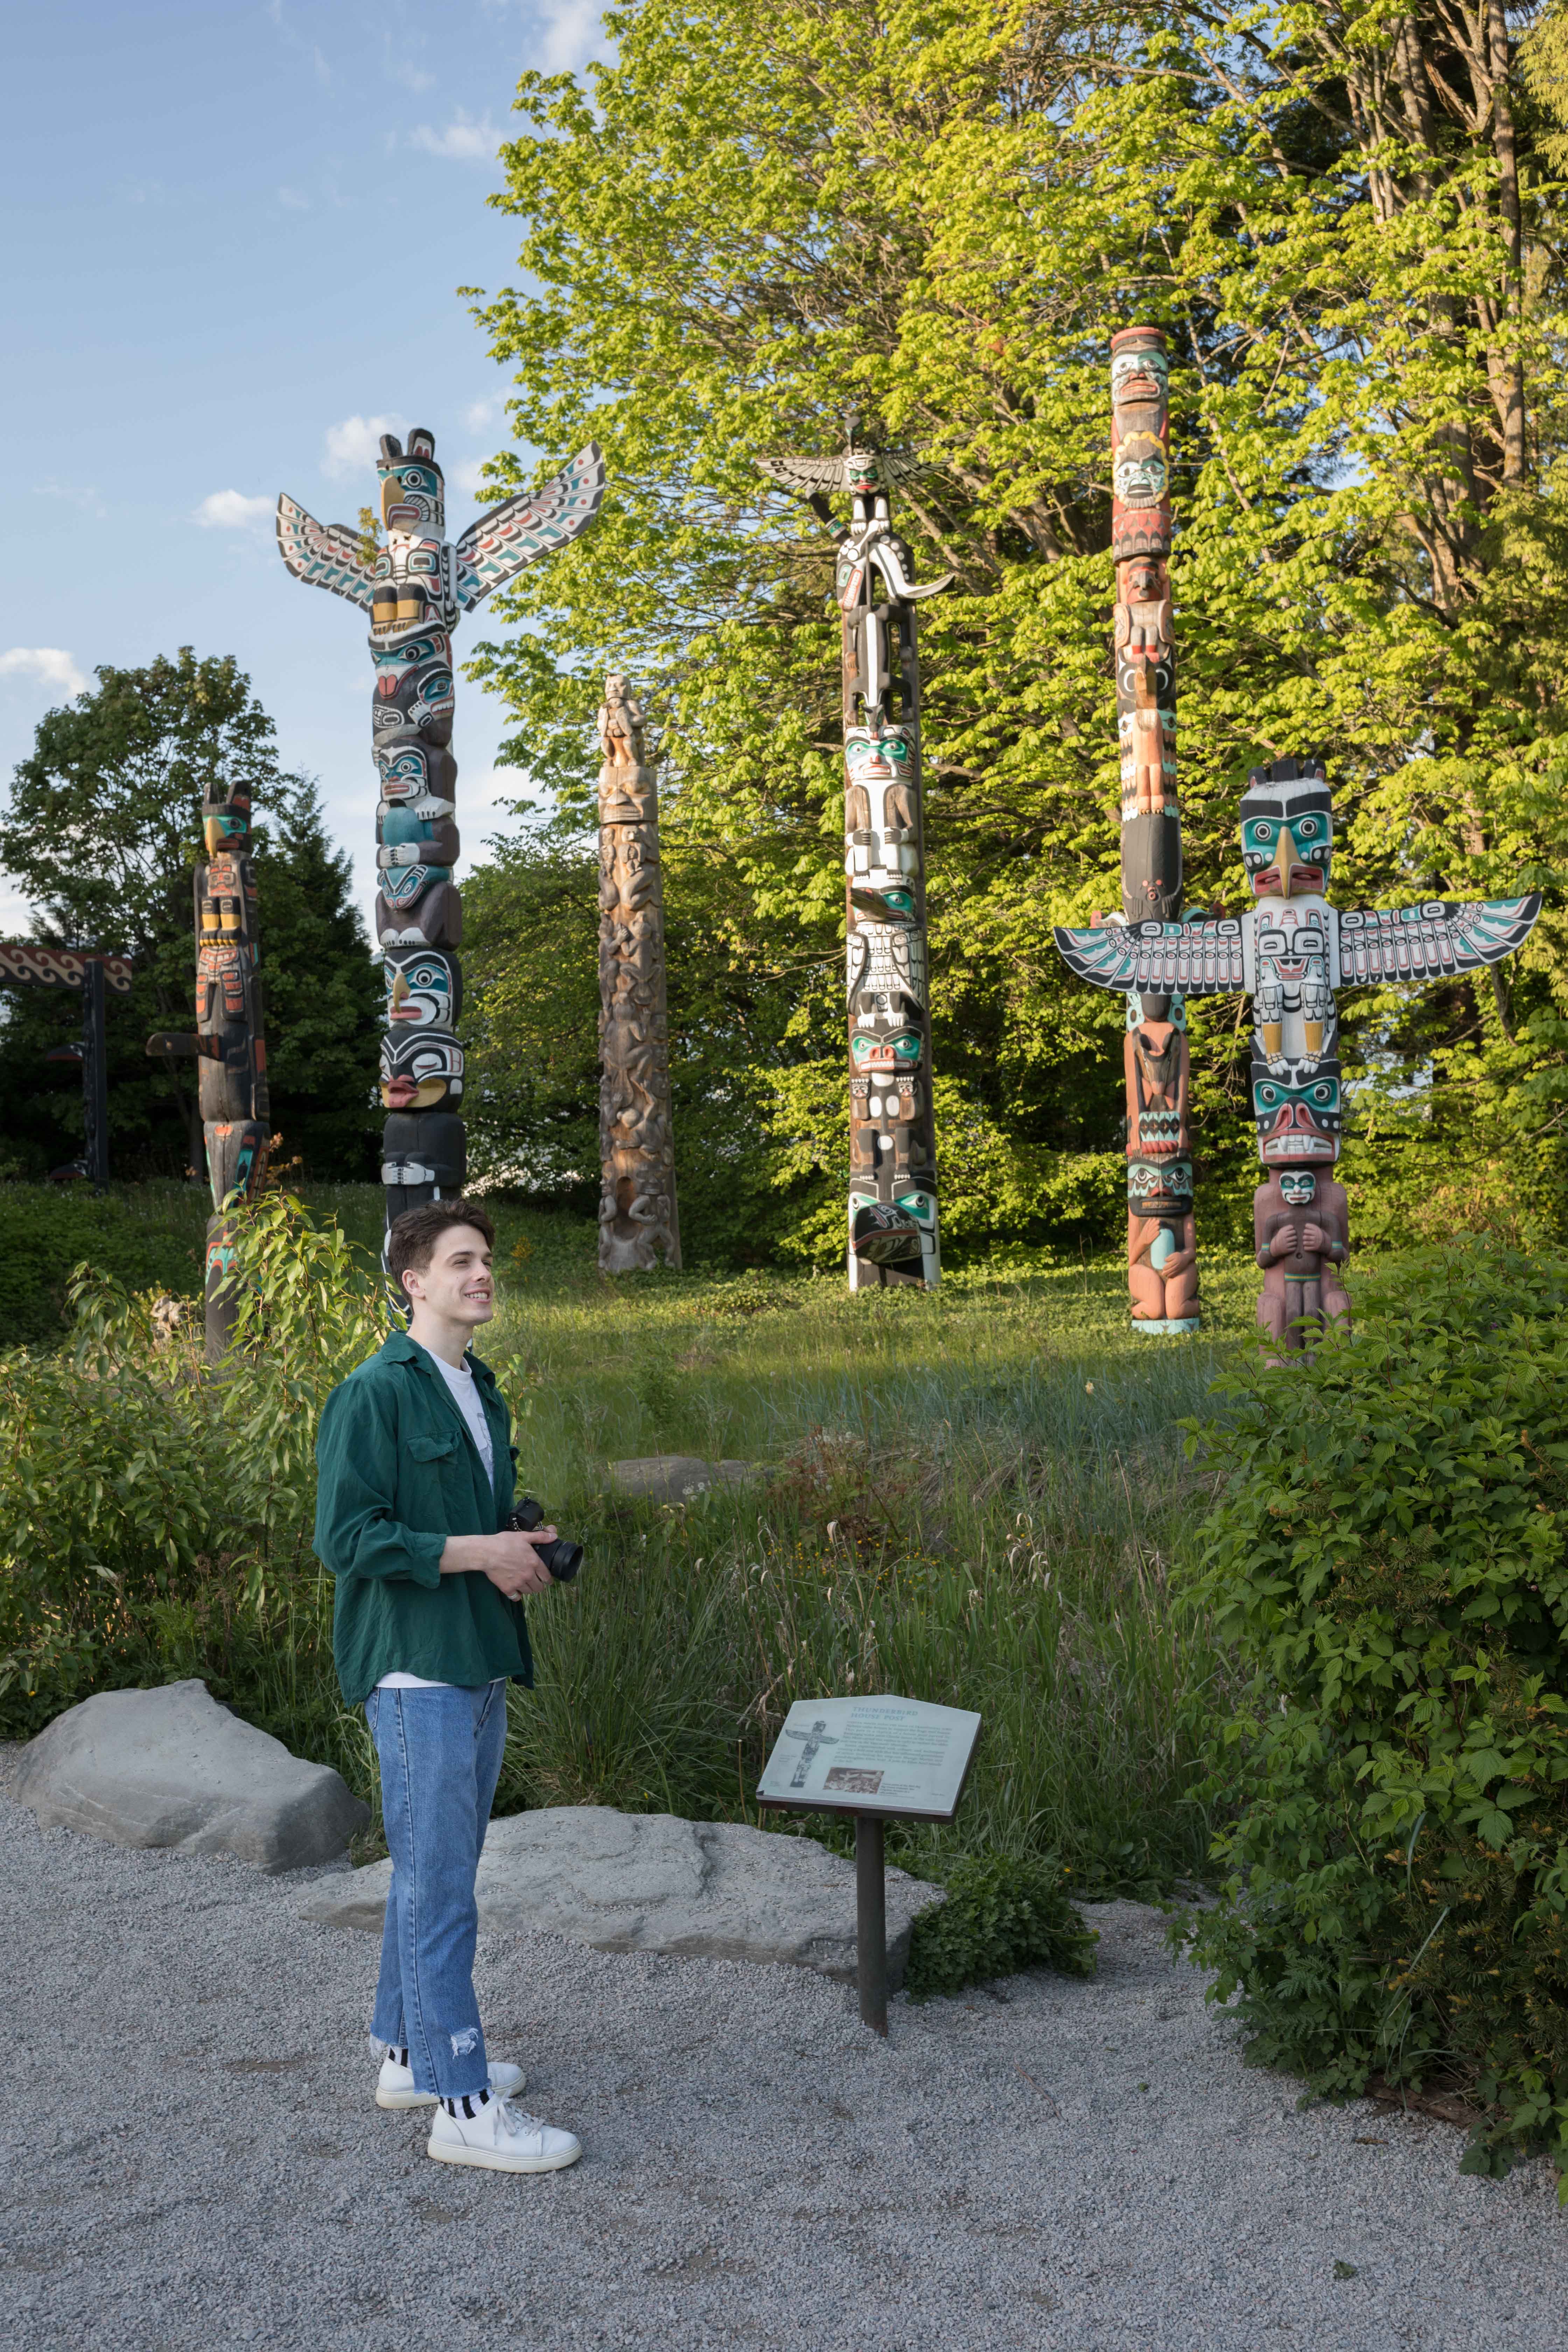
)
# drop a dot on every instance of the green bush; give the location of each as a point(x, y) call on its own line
point(1003, 1912)
point(1388, 1555)
point(147, 1236)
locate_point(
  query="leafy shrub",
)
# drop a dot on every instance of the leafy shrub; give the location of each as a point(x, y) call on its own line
point(1387, 1554)
point(1003, 1912)
point(155, 1522)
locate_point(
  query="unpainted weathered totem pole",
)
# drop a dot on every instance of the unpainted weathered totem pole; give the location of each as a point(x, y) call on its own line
point(637, 1219)
point(893, 1234)
point(415, 589)
point(228, 1044)
point(1289, 951)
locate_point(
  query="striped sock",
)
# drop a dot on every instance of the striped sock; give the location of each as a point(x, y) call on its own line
point(469, 2104)
point(398, 2057)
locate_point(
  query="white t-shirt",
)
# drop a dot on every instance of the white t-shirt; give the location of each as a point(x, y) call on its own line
point(466, 1390)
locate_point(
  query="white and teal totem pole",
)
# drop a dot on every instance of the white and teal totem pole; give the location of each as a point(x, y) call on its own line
point(892, 1133)
point(1291, 951)
point(415, 589)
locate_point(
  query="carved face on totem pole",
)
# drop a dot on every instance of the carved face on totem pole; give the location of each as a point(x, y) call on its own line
point(226, 823)
point(421, 1071)
point(414, 773)
point(424, 989)
point(1297, 1124)
point(1287, 837)
point(414, 692)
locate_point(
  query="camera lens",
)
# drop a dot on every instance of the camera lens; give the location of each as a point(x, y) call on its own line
point(562, 1558)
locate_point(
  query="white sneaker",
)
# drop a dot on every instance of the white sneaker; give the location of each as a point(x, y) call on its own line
point(502, 2139)
point(394, 2084)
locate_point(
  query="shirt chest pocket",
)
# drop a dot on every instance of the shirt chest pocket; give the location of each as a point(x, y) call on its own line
point(437, 1478)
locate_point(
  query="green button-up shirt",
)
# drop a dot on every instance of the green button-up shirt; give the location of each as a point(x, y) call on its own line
point(400, 1472)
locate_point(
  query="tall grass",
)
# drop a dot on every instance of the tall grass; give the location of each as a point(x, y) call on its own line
point(974, 1497)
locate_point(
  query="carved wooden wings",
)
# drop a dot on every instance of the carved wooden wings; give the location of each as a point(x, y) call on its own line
point(1201, 959)
point(1431, 942)
point(827, 473)
point(515, 534)
point(324, 554)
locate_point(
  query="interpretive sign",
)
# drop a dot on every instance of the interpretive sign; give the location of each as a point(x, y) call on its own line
point(902, 1758)
point(877, 1758)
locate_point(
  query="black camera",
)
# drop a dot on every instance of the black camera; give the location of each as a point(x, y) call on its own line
point(560, 1558)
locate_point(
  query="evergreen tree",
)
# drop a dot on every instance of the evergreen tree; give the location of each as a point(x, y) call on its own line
point(102, 830)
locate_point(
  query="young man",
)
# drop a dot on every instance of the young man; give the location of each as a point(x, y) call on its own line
point(415, 1480)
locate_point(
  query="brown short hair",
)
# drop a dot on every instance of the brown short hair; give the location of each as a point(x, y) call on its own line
point(411, 1239)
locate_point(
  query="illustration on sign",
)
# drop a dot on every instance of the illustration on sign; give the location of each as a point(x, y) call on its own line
point(887, 1754)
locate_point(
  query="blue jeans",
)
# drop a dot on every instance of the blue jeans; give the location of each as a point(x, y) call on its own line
point(440, 1754)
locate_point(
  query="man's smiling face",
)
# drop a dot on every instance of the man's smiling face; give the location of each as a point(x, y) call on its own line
point(458, 1284)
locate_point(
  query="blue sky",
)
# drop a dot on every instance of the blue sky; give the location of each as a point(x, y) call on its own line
point(236, 233)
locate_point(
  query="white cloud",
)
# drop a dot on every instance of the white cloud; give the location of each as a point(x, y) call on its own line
point(463, 141)
point(354, 447)
point(50, 665)
point(293, 201)
point(466, 477)
point(480, 413)
point(231, 510)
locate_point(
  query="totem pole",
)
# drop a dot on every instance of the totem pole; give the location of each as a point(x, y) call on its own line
point(1289, 951)
point(893, 1132)
point(637, 1220)
point(1161, 1230)
point(228, 1046)
point(415, 589)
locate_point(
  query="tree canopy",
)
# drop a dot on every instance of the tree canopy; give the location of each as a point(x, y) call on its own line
point(102, 829)
point(1347, 220)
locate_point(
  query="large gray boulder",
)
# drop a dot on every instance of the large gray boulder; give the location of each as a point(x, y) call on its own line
point(171, 1767)
point(675, 1477)
point(649, 1883)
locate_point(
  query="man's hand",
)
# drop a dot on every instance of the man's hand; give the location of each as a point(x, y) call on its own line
point(1314, 1241)
point(510, 1560)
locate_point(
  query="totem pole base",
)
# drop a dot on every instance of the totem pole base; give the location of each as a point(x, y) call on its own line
point(1174, 1326)
point(222, 1294)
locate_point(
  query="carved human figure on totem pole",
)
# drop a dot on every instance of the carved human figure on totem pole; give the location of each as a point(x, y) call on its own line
point(892, 1205)
point(415, 589)
point(1300, 1228)
point(638, 1223)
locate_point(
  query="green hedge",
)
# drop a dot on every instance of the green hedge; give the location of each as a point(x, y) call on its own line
point(1387, 1554)
point(147, 1236)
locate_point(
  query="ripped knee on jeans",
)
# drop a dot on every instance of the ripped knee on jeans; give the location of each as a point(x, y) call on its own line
point(465, 2043)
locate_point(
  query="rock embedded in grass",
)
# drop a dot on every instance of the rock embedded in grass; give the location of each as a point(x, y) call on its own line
point(651, 1883)
point(172, 1768)
point(675, 1477)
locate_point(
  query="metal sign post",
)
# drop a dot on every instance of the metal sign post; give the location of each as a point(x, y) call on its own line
point(882, 1759)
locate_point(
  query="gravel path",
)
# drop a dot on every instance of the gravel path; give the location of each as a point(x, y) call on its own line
point(194, 2158)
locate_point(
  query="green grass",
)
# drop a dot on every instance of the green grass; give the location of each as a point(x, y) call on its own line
point(975, 1496)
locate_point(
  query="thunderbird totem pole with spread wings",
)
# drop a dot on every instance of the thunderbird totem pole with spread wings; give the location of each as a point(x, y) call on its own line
point(415, 589)
point(892, 1134)
point(1290, 951)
